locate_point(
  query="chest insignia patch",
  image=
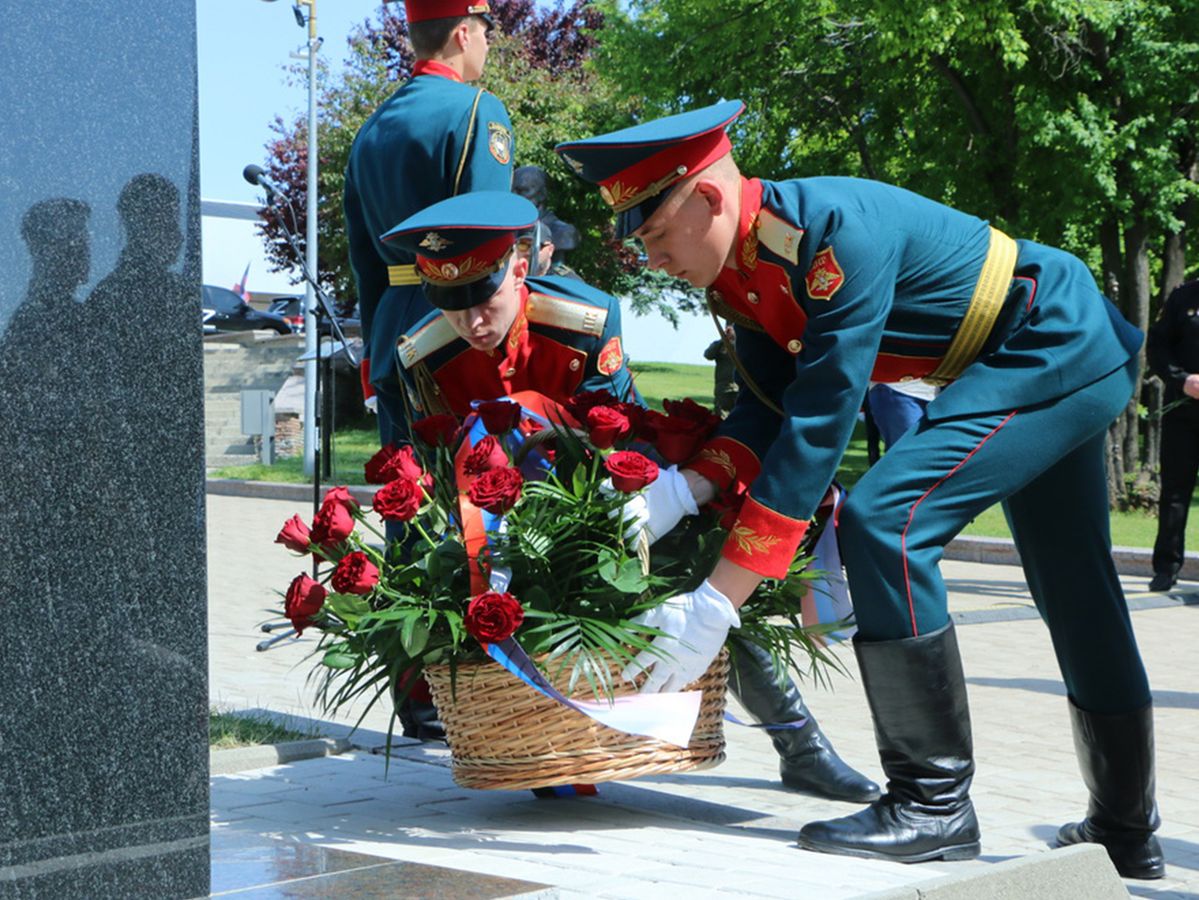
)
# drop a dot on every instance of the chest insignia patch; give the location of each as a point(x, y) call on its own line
point(610, 358)
point(499, 142)
point(825, 276)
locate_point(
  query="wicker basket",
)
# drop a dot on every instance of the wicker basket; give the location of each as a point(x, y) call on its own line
point(506, 736)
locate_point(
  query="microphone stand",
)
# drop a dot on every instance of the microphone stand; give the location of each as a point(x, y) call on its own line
point(324, 311)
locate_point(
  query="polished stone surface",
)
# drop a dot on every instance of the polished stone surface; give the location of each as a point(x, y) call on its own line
point(245, 865)
point(103, 754)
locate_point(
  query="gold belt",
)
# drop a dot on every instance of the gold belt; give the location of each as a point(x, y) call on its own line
point(397, 275)
point(989, 293)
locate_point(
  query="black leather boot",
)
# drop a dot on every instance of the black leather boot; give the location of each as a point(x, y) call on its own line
point(1115, 753)
point(808, 762)
point(922, 724)
point(418, 716)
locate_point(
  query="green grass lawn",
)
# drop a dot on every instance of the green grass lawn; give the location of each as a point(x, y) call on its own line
point(227, 730)
point(673, 381)
point(658, 381)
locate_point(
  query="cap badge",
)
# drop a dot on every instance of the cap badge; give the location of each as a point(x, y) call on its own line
point(435, 242)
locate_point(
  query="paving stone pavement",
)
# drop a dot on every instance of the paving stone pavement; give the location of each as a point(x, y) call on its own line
point(726, 831)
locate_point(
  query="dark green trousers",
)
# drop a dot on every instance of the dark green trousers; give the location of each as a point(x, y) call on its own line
point(1046, 465)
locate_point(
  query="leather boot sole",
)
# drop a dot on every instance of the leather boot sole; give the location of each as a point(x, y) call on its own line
point(951, 853)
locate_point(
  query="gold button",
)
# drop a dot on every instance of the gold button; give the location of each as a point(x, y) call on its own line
point(574, 365)
point(508, 373)
point(752, 297)
point(794, 346)
point(904, 379)
point(786, 289)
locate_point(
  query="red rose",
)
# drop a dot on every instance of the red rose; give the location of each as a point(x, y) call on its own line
point(436, 431)
point(304, 600)
point(341, 495)
point(496, 490)
point(499, 416)
point(376, 467)
point(398, 501)
point(294, 535)
point(647, 427)
point(487, 454)
point(580, 403)
point(606, 425)
point(334, 522)
point(492, 617)
point(678, 440)
point(687, 409)
point(635, 413)
point(355, 574)
point(630, 470)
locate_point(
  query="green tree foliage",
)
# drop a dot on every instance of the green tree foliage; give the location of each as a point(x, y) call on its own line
point(1071, 122)
point(537, 67)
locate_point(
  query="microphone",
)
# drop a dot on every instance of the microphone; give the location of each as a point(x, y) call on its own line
point(257, 177)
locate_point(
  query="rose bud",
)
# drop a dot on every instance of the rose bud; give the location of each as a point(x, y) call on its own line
point(294, 535)
point(493, 617)
point(355, 574)
point(436, 431)
point(333, 523)
point(499, 416)
point(630, 470)
point(304, 600)
point(605, 426)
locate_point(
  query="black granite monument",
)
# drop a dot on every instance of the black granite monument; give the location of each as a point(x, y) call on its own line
point(103, 674)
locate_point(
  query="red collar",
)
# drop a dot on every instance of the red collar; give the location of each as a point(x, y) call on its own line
point(747, 228)
point(432, 67)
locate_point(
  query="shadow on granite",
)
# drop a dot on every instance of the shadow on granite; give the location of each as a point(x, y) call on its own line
point(251, 866)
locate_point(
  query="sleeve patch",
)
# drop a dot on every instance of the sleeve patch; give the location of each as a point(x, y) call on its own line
point(825, 275)
point(610, 358)
point(499, 142)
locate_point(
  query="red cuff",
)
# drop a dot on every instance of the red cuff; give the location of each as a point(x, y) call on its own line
point(725, 461)
point(364, 375)
point(763, 540)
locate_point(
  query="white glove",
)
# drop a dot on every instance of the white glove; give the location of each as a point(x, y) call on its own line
point(695, 626)
point(372, 404)
point(660, 506)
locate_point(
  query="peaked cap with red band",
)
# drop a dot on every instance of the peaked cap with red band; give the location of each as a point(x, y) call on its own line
point(463, 245)
point(636, 168)
point(420, 10)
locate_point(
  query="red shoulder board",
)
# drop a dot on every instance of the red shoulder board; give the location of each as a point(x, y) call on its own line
point(825, 276)
point(610, 357)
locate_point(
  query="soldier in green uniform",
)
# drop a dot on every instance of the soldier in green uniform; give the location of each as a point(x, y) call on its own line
point(845, 281)
point(435, 137)
point(496, 331)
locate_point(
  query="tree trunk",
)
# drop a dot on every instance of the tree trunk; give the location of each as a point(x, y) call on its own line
point(1113, 268)
point(1136, 309)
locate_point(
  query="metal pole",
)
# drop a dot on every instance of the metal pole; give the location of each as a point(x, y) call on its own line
point(310, 335)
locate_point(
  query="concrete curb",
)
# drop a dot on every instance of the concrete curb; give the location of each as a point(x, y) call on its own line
point(1081, 872)
point(997, 551)
point(242, 759)
point(276, 490)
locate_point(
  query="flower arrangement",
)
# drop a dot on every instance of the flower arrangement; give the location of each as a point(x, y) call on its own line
point(513, 526)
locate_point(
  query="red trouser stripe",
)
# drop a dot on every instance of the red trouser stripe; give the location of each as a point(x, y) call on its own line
point(903, 539)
